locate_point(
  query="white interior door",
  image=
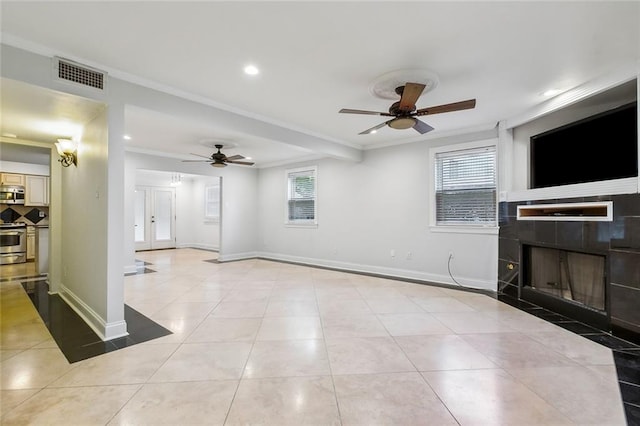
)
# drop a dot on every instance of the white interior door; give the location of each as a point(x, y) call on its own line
point(155, 218)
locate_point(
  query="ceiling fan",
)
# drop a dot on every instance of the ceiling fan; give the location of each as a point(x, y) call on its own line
point(218, 159)
point(404, 111)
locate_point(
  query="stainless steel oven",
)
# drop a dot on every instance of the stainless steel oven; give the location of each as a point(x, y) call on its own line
point(10, 194)
point(13, 243)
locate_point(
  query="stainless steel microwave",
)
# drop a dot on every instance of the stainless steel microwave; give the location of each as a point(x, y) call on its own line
point(10, 194)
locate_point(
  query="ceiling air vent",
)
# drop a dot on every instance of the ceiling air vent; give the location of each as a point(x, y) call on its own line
point(70, 71)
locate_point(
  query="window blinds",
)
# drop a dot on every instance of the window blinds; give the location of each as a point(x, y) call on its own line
point(466, 187)
point(302, 195)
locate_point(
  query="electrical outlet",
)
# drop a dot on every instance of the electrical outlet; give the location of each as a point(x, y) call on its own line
point(409, 255)
point(393, 253)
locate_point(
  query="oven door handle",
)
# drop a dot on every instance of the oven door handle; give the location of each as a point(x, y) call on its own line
point(11, 233)
point(11, 255)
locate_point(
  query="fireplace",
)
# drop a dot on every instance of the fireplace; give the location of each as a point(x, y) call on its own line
point(570, 282)
point(571, 276)
point(593, 251)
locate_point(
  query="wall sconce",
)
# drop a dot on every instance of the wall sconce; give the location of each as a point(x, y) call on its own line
point(67, 150)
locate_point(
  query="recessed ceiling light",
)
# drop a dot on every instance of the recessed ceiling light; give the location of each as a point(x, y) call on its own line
point(127, 137)
point(251, 70)
point(551, 92)
point(248, 158)
point(373, 131)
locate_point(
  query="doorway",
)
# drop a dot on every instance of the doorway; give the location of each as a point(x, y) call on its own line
point(155, 218)
point(29, 163)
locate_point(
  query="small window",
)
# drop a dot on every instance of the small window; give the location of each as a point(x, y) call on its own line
point(212, 203)
point(465, 187)
point(301, 196)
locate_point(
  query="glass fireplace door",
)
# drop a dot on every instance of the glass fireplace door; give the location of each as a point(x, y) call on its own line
point(574, 276)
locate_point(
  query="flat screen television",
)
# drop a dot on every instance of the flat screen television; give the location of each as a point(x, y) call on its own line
point(601, 147)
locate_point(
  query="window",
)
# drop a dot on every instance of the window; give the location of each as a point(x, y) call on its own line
point(465, 187)
point(301, 196)
point(212, 203)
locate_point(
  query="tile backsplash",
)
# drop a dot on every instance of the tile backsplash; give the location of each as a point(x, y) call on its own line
point(28, 215)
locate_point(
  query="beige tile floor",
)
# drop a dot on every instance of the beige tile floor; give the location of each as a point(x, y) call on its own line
point(25, 269)
point(278, 344)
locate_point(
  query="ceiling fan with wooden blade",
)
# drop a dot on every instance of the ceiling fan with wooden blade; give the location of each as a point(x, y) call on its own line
point(404, 111)
point(218, 159)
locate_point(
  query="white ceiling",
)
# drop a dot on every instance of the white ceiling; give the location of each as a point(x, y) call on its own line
point(318, 57)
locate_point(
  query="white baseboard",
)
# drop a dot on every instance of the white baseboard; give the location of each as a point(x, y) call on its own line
point(237, 256)
point(471, 283)
point(106, 331)
point(130, 269)
point(209, 247)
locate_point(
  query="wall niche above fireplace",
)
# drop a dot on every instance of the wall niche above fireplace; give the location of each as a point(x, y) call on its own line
point(579, 212)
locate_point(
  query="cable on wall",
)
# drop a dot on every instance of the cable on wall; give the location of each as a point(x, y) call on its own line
point(449, 269)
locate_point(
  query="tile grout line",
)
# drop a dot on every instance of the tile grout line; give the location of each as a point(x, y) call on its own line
point(613, 350)
point(326, 350)
point(244, 367)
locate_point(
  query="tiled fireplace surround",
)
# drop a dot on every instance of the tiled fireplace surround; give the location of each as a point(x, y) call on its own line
point(618, 240)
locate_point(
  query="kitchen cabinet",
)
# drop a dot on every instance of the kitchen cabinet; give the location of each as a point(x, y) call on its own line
point(11, 179)
point(31, 242)
point(36, 190)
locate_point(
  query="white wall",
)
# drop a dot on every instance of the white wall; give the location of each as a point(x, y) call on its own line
point(184, 217)
point(113, 129)
point(128, 228)
point(368, 209)
point(239, 212)
point(85, 229)
point(24, 168)
point(197, 231)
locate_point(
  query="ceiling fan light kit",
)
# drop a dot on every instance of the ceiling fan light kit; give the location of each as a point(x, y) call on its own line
point(402, 123)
